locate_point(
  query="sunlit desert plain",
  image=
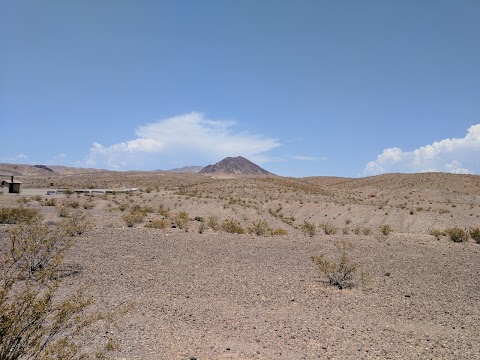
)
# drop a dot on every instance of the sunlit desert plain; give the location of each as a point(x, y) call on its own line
point(221, 267)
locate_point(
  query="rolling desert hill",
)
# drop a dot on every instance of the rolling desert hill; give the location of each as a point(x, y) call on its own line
point(220, 268)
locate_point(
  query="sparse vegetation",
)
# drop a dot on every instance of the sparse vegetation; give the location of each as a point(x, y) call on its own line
point(456, 234)
point(340, 273)
point(35, 322)
point(132, 219)
point(475, 234)
point(259, 228)
point(18, 215)
point(308, 229)
point(158, 224)
point(328, 228)
point(181, 220)
point(385, 229)
point(232, 226)
point(437, 233)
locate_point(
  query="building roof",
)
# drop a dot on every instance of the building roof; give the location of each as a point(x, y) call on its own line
point(11, 182)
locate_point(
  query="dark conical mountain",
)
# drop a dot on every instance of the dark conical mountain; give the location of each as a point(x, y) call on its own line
point(234, 166)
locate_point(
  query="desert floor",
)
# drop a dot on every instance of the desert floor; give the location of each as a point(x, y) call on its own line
point(198, 291)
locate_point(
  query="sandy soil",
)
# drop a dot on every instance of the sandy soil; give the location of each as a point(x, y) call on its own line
point(215, 295)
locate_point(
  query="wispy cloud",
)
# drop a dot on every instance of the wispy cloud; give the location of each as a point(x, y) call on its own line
point(190, 137)
point(306, 158)
point(455, 155)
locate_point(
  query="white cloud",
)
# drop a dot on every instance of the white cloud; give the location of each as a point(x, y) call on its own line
point(186, 138)
point(456, 155)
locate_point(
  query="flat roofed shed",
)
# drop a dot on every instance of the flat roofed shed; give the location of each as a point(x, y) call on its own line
point(13, 185)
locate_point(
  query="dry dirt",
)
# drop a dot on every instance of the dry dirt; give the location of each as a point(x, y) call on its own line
point(216, 295)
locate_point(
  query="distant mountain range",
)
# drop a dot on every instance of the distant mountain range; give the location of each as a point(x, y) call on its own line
point(187, 169)
point(234, 166)
point(230, 166)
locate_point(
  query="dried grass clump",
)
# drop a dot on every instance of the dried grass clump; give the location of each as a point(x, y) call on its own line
point(328, 228)
point(278, 232)
point(308, 229)
point(437, 233)
point(456, 234)
point(475, 234)
point(213, 223)
point(132, 219)
point(158, 224)
point(385, 229)
point(259, 228)
point(181, 220)
point(232, 226)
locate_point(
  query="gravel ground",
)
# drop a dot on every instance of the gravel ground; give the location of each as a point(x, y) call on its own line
point(224, 296)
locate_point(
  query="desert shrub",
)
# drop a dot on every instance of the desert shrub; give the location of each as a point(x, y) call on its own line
point(475, 234)
point(357, 230)
point(328, 228)
point(122, 207)
point(64, 212)
point(340, 273)
point(158, 224)
point(278, 232)
point(385, 229)
point(35, 323)
point(345, 231)
point(308, 228)
point(88, 205)
point(213, 223)
point(23, 200)
point(259, 228)
point(76, 223)
point(181, 220)
point(163, 211)
point(18, 215)
point(50, 202)
point(36, 198)
point(366, 231)
point(456, 234)
point(437, 233)
point(132, 219)
point(232, 226)
point(73, 204)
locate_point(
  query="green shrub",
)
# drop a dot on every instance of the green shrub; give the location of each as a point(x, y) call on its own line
point(35, 321)
point(308, 229)
point(341, 273)
point(475, 234)
point(328, 228)
point(232, 226)
point(19, 215)
point(456, 234)
point(385, 229)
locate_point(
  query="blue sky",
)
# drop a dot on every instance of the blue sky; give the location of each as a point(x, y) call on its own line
point(343, 88)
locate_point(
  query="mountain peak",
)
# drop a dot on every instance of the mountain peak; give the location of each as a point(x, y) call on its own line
point(234, 166)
